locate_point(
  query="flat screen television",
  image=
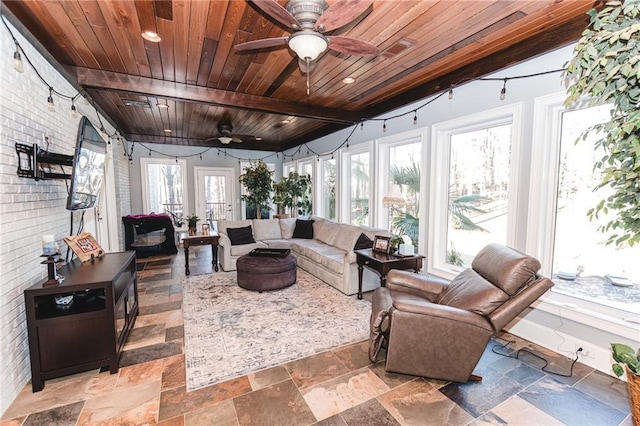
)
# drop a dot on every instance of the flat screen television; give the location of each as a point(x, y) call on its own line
point(88, 168)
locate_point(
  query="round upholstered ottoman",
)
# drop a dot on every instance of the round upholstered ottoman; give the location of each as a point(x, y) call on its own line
point(262, 273)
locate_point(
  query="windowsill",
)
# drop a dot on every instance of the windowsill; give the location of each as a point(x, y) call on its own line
point(596, 315)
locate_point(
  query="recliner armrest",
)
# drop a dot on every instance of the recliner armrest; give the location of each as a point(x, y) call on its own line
point(418, 285)
point(415, 305)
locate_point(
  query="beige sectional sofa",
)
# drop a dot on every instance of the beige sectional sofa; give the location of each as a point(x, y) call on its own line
point(328, 255)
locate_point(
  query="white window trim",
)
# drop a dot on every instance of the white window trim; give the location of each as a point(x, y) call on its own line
point(541, 223)
point(439, 172)
point(144, 167)
point(319, 189)
point(344, 187)
point(382, 149)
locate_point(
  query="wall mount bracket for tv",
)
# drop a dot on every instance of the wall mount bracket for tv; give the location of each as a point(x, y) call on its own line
point(32, 159)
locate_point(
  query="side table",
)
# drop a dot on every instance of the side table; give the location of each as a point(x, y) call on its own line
point(382, 263)
point(201, 240)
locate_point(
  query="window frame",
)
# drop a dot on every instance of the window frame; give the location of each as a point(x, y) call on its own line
point(440, 169)
point(344, 188)
point(319, 187)
point(543, 189)
point(145, 162)
point(383, 147)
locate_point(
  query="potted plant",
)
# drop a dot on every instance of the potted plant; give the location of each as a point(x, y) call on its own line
point(624, 355)
point(258, 184)
point(293, 192)
point(604, 69)
point(192, 220)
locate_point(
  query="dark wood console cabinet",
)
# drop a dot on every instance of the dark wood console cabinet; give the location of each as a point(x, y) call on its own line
point(90, 331)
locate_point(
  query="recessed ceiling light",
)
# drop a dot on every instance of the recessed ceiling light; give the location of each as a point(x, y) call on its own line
point(167, 130)
point(258, 138)
point(159, 105)
point(348, 80)
point(285, 121)
point(151, 36)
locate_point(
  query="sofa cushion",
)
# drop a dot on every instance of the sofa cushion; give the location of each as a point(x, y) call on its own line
point(318, 223)
point(471, 292)
point(286, 227)
point(303, 229)
point(363, 242)
point(320, 252)
point(240, 236)
point(334, 263)
point(281, 244)
point(246, 248)
point(266, 229)
point(328, 233)
point(223, 225)
point(347, 236)
point(371, 232)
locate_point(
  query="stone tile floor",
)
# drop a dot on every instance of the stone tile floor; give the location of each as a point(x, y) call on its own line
point(338, 387)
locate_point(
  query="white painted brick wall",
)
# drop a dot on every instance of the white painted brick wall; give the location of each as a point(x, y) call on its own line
point(30, 209)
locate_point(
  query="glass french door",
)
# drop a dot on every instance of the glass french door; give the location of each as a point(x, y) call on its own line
point(215, 194)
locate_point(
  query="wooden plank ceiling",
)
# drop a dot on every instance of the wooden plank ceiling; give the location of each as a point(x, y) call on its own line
point(425, 47)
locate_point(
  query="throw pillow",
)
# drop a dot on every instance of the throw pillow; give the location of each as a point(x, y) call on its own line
point(240, 236)
point(363, 242)
point(303, 229)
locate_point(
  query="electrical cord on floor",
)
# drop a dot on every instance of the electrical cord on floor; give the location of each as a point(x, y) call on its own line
point(546, 363)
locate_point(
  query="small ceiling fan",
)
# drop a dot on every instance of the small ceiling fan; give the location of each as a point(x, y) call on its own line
point(226, 135)
point(309, 20)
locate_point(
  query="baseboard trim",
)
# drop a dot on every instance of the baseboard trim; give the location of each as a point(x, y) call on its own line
point(595, 356)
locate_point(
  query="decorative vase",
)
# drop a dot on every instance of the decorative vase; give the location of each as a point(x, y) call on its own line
point(193, 230)
point(633, 384)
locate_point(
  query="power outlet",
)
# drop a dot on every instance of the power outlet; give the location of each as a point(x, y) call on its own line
point(586, 352)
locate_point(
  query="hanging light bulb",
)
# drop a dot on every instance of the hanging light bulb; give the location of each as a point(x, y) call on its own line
point(50, 104)
point(74, 110)
point(17, 59)
point(503, 92)
point(384, 126)
point(415, 117)
point(451, 92)
point(362, 125)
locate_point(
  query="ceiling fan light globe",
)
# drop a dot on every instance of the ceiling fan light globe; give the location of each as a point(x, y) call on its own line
point(225, 140)
point(308, 45)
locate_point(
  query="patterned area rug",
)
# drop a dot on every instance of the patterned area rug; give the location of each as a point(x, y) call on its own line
point(230, 331)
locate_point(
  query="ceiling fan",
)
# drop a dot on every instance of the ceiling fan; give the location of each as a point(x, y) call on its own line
point(226, 136)
point(309, 20)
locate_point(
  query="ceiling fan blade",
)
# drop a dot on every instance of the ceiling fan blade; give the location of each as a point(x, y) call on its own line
point(277, 12)
point(352, 46)
point(261, 44)
point(303, 65)
point(236, 139)
point(341, 13)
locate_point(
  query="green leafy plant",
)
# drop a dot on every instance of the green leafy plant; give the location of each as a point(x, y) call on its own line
point(193, 220)
point(606, 69)
point(625, 355)
point(258, 184)
point(294, 192)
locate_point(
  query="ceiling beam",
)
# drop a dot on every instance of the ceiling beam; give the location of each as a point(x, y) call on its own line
point(105, 80)
point(205, 143)
point(531, 47)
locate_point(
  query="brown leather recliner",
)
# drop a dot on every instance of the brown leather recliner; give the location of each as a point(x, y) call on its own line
point(439, 330)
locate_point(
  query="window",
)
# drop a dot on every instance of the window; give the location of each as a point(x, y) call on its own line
point(357, 179)
point(163, 186)
point(288, 168)
point(474, 182)
point(326, 189)
point(400, 174)
point(571, 243)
